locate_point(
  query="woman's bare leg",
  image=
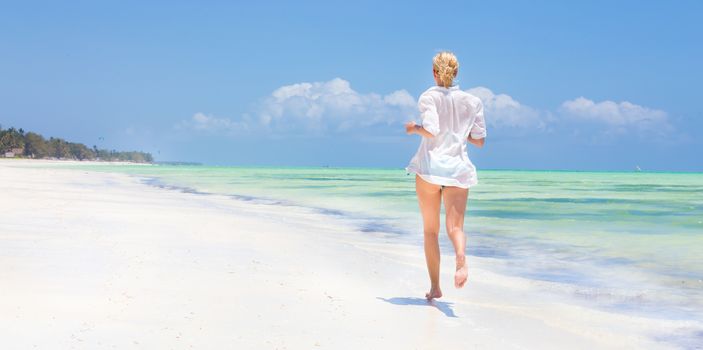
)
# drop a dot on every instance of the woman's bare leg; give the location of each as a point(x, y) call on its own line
point(430, 198)
point(455, 207)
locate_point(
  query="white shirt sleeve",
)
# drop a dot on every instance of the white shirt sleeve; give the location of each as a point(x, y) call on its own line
point(428, 113)
point(478, 130)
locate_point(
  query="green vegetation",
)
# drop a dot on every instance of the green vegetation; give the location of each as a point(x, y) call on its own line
point(32, 145)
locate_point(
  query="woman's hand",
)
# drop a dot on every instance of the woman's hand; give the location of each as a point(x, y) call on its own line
point(476, 142)
point(410, 128)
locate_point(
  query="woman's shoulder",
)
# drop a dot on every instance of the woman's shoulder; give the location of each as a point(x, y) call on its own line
point(468, 98)
point(432, 90)
point(462, 95)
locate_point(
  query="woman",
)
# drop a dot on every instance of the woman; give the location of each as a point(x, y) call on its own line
point(450, 118)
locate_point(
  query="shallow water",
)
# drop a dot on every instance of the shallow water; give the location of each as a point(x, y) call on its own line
point(629, 242)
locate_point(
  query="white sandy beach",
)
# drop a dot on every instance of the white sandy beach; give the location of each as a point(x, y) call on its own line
point(92, 260)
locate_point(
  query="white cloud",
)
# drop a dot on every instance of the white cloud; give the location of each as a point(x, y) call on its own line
point(502, 111)
point(203, 122)
point(333, 105)
point(619, 116)
point(400, 98)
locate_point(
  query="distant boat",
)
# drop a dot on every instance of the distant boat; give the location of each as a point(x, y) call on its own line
point(637, 168)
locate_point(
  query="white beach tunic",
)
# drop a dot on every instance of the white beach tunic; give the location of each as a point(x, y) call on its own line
point(449, 114)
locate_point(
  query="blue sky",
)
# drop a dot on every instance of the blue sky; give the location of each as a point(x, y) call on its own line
point(599, 85)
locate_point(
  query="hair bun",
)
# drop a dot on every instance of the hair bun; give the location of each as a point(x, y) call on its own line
point(447, 66)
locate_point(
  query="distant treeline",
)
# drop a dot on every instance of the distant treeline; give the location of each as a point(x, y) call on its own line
point(32, 145)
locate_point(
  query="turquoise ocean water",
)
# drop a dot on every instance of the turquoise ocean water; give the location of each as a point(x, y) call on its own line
point(631, 242)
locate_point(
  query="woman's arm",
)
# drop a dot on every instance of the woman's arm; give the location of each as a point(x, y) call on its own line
point(476, 142)
point(412, 128)
point(477, 135)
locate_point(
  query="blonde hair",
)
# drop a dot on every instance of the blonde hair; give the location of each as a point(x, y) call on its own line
point(446, 66)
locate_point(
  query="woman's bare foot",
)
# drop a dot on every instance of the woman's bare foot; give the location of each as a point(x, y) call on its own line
point(462, 272)
point(434, 293)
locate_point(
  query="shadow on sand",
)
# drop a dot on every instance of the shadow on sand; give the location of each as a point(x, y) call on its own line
point(443, 306)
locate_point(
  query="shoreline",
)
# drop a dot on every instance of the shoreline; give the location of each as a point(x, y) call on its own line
point(74, 161)
point(184, 163)
point(96, 258)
